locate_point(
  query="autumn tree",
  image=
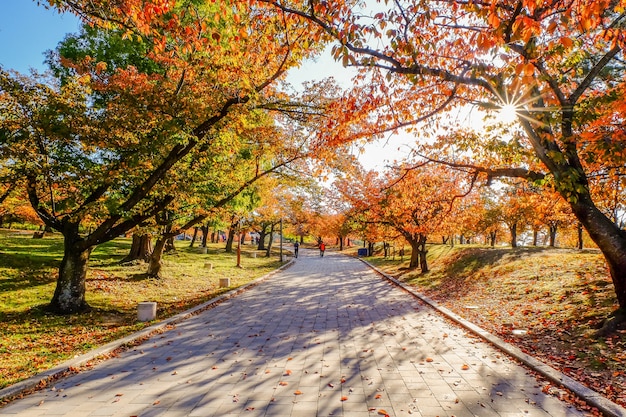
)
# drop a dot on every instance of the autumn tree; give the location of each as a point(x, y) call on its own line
point(558, 66)
point(100, 142)
point(412, 201)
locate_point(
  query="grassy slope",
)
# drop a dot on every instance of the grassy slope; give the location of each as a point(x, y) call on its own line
point(559, 296)
point(32, 340)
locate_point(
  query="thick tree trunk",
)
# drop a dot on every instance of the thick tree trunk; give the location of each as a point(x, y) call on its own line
point(535, 236)
point(513, 230)
point(140, 248)
point(414, 260)
point(340, 241)
point(69, 295)
point(610, 239)
point(492, 238)
point(262, 236)
point(205, 235)
point(156, 259)
point(229, 240)
point(421, 247)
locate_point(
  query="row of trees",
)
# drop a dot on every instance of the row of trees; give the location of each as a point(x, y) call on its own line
point(558, 64)
point(154, 117)
point(433, 204)
point(110, 139)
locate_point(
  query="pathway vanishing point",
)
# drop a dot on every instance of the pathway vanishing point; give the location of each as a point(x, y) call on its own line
point(325, 337)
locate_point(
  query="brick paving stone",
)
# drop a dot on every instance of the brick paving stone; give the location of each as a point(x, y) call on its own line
point(350, 343)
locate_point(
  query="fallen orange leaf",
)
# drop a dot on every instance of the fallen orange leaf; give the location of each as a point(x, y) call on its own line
point(429, 359)
point(382, 412)
point(378, 396)
point(465, 367)
point(283, 383)
point(298, 392)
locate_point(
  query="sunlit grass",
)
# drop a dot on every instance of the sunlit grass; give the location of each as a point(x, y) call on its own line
point(559, 296)
point(33, 340)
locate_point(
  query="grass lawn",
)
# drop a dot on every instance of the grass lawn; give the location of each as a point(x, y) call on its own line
point(546, 301)
point(33, 340)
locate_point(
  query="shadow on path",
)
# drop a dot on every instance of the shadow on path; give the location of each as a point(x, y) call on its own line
point(326, 337)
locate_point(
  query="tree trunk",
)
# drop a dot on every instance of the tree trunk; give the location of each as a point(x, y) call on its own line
point(193, 238)
point(69, 295)
point(492, 239)
point(169, 245)
point(579, 228)
point(418, 253)
point(535, 236)
point(415, 250)
point(205, 235)
point(513, 229)
point(553, 229)
point(270, 241)
point(155, 265)
point(140, 248)
point(229, 241)
point(262, 236)
point(610, 239)
point(340, 239)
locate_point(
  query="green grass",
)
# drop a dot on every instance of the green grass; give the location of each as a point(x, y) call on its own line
point(33, 340)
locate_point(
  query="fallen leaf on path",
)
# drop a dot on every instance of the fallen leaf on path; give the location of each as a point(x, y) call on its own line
point(298, 392)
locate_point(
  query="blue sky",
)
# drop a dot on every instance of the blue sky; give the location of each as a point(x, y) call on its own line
point(27, 31)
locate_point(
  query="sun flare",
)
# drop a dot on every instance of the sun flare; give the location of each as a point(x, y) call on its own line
point(507, 113)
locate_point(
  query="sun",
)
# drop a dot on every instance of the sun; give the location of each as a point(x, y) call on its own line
point(507, 113)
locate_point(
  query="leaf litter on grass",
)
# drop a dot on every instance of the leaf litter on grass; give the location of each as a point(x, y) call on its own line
point(546, 301)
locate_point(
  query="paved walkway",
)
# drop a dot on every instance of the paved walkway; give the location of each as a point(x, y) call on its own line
point(326, 337)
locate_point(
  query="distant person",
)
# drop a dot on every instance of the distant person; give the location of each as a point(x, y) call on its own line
point(322, 249)
point(296, 246)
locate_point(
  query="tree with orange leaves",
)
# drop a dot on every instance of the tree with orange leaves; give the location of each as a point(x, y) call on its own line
point(556, 67)
point(413, 201)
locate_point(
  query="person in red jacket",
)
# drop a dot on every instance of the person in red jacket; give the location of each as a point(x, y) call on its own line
point(322, 249)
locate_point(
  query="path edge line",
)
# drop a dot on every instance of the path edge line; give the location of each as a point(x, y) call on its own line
point(42, 379)
point(591, 397)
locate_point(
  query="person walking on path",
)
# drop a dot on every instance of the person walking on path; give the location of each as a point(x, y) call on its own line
point(315, 339)
point(296, 246)
point(322, 249)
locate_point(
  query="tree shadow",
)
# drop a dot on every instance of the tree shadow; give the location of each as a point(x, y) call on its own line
point(324, 337)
